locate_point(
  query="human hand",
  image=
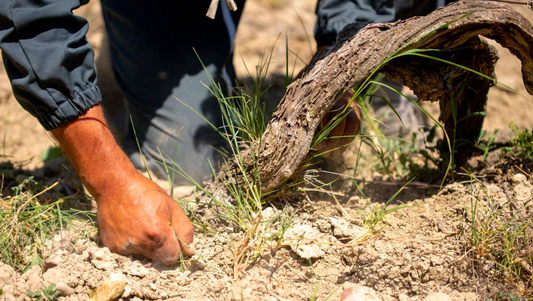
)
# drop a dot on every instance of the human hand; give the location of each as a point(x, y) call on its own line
point(135, 216)
point(347, 128)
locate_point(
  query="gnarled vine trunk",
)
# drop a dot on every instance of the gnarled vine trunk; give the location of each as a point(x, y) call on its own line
point(356, 54)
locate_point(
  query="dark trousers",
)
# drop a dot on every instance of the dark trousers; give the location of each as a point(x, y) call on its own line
point(152, 51)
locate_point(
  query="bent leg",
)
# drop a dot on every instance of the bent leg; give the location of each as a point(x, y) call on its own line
point(154, 62)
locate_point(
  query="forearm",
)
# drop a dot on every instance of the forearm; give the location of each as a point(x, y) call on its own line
point(135, 216)
point(92, 150)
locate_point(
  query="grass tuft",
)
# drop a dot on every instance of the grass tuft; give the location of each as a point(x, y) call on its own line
point(28, 219)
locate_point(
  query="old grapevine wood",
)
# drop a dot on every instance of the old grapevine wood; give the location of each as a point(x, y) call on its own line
point(356, 55)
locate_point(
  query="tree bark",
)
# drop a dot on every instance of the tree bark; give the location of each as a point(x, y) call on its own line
point(357, 54)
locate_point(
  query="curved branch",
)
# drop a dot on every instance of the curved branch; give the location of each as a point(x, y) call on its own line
point(356, 55)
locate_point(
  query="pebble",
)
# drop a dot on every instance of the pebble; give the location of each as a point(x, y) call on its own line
point(519, 178)
point(359, 293)
point(52, 261)
point(342, 228)
point(403, 297)
point(303, 240)
point(135, 269)
point(64, 290)
point(268, 213)
point(102, 259)
point(127, 292)
point(438, 297)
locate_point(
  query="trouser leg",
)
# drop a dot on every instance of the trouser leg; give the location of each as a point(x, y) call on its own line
point(113, 102)
point(151, 49)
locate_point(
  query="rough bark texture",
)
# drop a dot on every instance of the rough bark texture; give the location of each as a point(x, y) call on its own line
point(355, 56)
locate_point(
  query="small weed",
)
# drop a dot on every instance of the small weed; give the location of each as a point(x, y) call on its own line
point(522, 145)
point(26, 223)
point(500, 234)
point(47, 293)
point(374, 220)
point(244, 121)
point(486, 146)
point(501, 296)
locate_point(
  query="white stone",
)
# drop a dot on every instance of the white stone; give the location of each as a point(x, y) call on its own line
point(269, 213)
point(64, 289)
point(403, 297)
point(127, 292)
point(519, 178)
point(522, 192)
point(342, 228)
point(135, 269)
point(303, 241)
point(102, 259)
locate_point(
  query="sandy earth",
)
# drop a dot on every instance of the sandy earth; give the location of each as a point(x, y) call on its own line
point(421, 251)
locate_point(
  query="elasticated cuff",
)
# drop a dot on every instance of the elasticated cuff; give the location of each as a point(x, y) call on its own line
point(71, 109)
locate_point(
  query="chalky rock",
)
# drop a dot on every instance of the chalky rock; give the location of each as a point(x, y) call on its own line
point(268, 213)
point(136, 269)
point(303, 241)
point(102, 259)
point(343, 229)
point(359, 293)
point(522, 191)
point(437, 297)
point(63, 289)
point(519, 178)
point(54, 260)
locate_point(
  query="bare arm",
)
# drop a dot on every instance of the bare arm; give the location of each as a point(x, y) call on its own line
point(135, 216)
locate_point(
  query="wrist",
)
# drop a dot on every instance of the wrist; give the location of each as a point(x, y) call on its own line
point(91, 148)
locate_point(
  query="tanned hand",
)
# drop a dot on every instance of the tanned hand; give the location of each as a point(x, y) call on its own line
point(347, 128)
point(135, 216)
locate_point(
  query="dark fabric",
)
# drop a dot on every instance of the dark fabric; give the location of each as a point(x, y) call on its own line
point(408, 8)
point(48, 59)
point(152, 50)
point(333, 15)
